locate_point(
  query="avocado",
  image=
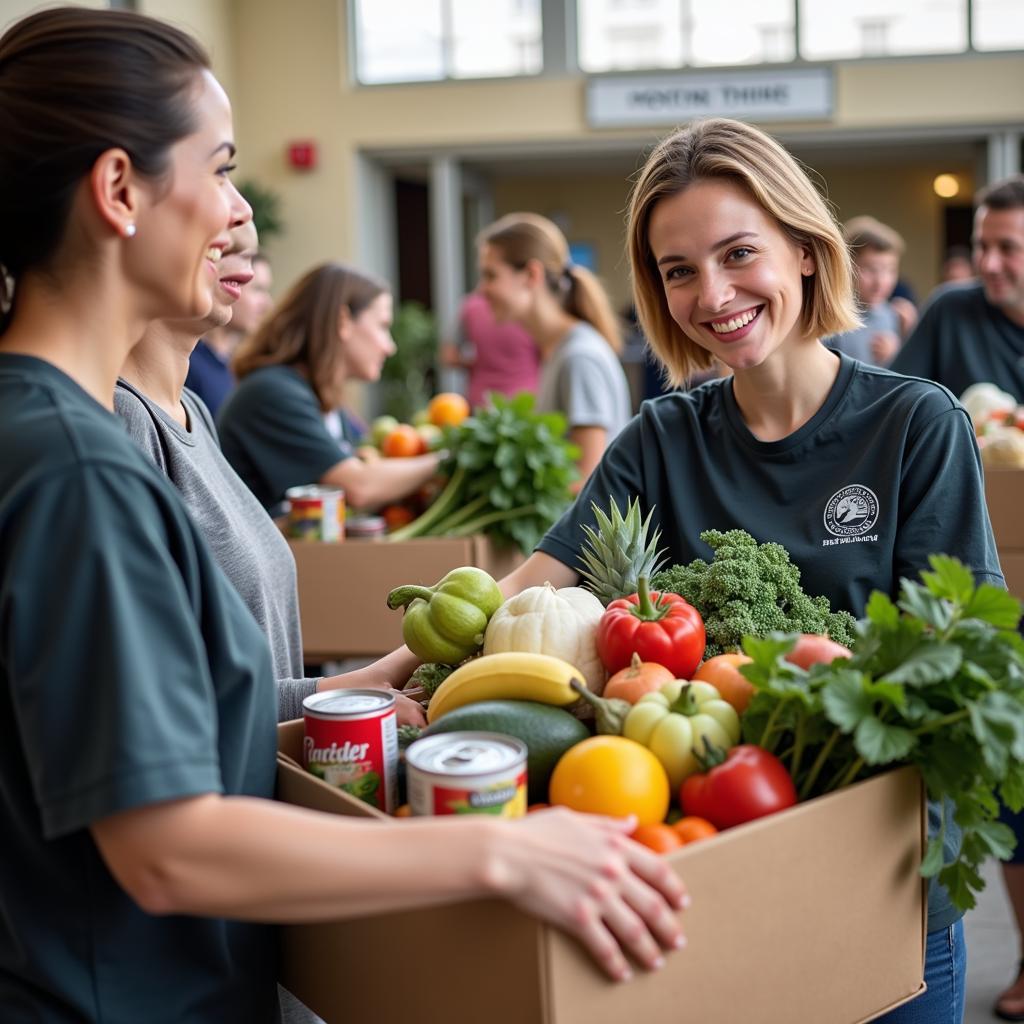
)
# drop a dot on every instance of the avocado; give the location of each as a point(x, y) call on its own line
point(547, 731)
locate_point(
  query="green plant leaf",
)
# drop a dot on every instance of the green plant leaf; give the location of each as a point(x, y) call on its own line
point(880, 743)
point(845, 701)
point(933, 860)
point(993, 605)
point(881, 611)
point(929, 662)
point(949, 578)
point(931, 610)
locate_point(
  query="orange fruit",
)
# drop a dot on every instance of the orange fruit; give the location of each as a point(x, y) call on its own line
point(691, 828)
point(397, 515)
point(614, 776)
point(657, 837)
point(405, 811)
point(402, 442)
point(723, 673)
point(447, 409)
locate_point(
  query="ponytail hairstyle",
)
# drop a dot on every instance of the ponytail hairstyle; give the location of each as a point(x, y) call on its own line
point(74, 83)
point(521, 237)
point(302, 329)
point(720, 149)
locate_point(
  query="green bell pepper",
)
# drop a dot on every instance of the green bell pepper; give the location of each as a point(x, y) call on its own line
point(446, 622)
point(674, 721)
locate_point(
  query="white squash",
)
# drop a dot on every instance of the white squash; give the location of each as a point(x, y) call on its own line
point(543, 620)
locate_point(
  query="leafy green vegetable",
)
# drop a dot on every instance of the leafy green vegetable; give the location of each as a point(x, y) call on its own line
point(750, 589)
point(510, 469)
point(430, 676)
point(936, 680)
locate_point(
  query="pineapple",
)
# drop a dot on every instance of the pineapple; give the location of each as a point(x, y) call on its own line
point(617, 554)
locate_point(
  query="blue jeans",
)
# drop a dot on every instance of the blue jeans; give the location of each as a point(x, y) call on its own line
point(945, 974)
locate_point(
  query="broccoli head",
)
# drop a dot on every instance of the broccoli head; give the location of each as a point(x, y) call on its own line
point(750, 589)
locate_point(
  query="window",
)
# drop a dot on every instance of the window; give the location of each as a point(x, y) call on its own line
point(998, 24)
point(427, 40)
point(876, 28)
point(633, 34)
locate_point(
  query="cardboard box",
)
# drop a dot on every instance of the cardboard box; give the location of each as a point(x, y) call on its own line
point(1004, 493)
point(812, 916)
point(343, 588)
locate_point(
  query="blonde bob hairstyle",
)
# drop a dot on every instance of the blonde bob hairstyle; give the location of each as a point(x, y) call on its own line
point(723, 149)
point(521, 237)
point(302, 329)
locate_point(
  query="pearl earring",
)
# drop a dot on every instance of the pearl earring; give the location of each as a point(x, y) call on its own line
point(129, 229)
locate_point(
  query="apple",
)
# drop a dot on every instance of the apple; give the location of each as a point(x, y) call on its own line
point(381, 427)
point(431, 435)
point(811, 649)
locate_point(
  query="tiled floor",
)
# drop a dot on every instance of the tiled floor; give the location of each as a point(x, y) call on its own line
point(992, 950)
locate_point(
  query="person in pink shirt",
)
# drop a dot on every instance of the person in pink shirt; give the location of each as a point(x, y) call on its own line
point(498, 356)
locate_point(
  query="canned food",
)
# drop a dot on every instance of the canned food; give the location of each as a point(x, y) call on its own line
point(316, 513)
point(351, 742)
point(467, 773)
point(366, 527)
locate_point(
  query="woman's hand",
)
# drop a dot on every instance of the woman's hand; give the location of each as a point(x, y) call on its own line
point(582, 873)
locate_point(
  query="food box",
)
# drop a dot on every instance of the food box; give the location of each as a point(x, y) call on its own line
point(816, 915)
point(343, 588)
point(1004, 493)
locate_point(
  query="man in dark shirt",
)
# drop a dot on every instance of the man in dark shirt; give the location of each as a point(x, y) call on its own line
point(975, 333)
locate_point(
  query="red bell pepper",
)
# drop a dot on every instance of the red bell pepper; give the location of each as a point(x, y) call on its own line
point(662, 628)
point(740, 785)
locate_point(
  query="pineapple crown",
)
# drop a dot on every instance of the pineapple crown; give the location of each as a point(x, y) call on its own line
point(617, 553)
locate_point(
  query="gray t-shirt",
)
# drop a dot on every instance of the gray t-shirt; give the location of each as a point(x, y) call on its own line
point(246, 544)
point(880, 319)
point(584, 380)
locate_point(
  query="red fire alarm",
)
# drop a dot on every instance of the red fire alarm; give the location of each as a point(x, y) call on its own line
point(302, 155)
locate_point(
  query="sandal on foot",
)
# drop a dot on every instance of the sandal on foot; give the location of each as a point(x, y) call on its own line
point(1006, 1014)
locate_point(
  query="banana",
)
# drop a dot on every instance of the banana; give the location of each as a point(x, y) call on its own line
point(508, 676)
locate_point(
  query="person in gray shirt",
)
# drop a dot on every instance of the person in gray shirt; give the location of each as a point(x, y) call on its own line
point(527, 277)
point(173, 427)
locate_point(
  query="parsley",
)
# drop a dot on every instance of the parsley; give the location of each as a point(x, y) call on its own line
point(936, 680)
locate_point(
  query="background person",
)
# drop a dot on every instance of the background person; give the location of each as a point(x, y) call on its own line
point(975, 333)
point(957, 265)
point(499, 357)
point(152, 843)
point(333, 326)
point(209, 369)
point(174, 428)
point(527, 277)
point(876, 249)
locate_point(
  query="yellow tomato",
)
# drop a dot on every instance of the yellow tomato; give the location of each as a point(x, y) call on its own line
point(614, 776)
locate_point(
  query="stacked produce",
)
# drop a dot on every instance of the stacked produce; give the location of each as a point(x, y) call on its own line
point(691, 739)
point(509, 472)
point(998, 423)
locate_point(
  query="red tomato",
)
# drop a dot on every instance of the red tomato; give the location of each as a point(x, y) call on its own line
point(748, 784)
point(662, 628)
point(811, 649)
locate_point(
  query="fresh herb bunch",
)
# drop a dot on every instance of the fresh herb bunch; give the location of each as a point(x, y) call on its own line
point(936, 680)
point(750, 589)
point(510, 469)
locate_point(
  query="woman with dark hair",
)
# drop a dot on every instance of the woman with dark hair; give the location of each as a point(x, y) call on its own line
point(137, 706)
point(333, 326)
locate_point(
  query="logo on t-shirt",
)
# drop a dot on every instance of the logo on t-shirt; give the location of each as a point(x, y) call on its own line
point(851, 511)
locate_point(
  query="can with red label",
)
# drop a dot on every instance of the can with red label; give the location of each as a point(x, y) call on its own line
point(467, 773)
point(316, 513)
point(352, 742)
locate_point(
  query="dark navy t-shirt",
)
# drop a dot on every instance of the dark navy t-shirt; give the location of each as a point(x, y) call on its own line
point(886, 473)
point(131, 673)
point(209, 377)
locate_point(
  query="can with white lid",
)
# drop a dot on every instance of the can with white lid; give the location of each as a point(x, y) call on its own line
point(467, 773)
